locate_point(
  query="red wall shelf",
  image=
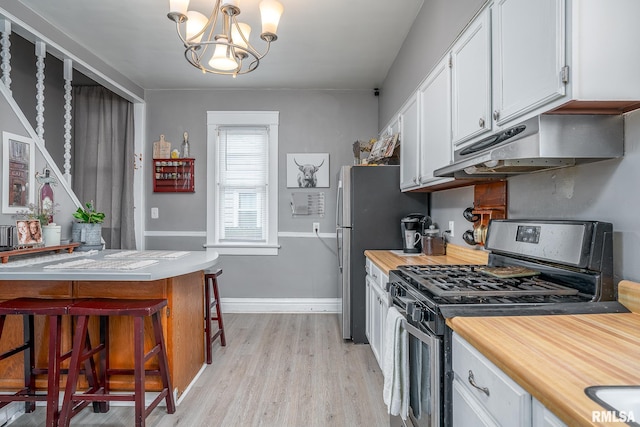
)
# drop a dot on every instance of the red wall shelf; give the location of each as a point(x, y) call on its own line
point(173, 175)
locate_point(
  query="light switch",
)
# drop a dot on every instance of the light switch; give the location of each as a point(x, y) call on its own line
point(154, 213)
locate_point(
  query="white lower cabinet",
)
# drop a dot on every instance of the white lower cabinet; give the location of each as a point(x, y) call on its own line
point(486, 390)
point(377, 306)
point(483, 395)
point(542, 417)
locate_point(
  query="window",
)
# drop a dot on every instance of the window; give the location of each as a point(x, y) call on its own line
point(242, 165)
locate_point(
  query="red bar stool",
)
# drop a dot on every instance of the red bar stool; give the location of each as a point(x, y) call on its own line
point(138, 309)
point(212, 300)
point(54, 309)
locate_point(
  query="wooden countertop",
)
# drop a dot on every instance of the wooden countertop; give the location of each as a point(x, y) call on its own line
point(556, 357)
point(390, 260)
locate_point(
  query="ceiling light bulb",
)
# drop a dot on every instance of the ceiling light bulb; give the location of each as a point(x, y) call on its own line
point(236, 38)
point(222, 60)
point(195, 24)
point(231, 3)
point(179, 6)
point(270, 10)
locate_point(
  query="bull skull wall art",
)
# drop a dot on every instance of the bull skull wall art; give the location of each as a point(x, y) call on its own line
point(308, 170)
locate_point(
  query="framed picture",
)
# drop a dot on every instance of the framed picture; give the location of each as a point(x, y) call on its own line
point(18, 168)
point(378, 149)
point(29, 232)
point(392, 141)
point(305, 170)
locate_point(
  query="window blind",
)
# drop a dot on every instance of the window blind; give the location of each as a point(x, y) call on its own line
point(243, 154)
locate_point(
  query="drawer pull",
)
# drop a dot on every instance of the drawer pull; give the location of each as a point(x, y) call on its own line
point(472, 381)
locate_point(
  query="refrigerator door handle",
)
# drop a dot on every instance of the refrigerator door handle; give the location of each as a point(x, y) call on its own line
point(338, 246)
point(338, 204)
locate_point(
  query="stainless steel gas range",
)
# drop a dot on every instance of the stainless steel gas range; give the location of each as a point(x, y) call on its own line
point(535, 267)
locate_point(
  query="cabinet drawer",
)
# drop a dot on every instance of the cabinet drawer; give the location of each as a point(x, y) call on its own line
point(507, 402)
point(368, 266)
point(377, 276)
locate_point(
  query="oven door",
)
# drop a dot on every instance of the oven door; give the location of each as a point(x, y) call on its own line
point(425, 384)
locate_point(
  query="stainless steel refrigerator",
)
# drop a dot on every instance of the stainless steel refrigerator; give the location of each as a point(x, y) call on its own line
point(369, 208)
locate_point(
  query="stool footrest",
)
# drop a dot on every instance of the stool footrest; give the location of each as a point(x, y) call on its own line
point(22, 397)
point(101, 397)
point(112, 371)
point(13, 351)
point(163, 395)
point(153, 352)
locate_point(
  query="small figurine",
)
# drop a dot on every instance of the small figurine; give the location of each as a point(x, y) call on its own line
point(185, 146)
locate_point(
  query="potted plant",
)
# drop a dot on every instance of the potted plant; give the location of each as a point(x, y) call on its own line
point(88, 230)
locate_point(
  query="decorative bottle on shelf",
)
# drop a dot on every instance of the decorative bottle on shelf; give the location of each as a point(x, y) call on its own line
point(185, 146)
point(46, 194)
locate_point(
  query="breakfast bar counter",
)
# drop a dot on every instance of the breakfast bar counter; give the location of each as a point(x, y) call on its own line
point(177, 277)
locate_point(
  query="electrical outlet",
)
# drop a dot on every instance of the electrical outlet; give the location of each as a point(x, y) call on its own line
point(451, 225)
point(154, 213)
point(316, 227)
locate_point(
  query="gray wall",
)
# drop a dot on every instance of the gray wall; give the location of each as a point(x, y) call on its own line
point(437, 25)
point(311, 121)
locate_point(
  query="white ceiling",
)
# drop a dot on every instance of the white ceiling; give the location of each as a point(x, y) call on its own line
point(322, 44)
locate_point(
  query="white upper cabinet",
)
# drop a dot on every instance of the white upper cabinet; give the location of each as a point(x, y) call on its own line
point(604, 59)
point(570, 56)
point(471, 81)
point(409, 144)
point(529, 61)
point(517, 59)
point(434, 97)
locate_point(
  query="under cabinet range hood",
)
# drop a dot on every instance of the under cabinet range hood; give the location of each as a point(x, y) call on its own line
point(547, 141)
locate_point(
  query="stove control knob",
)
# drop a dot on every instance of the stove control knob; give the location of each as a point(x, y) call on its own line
point(414, 312)
point(393, 290)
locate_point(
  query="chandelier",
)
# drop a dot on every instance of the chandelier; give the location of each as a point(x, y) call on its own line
point(225, 50)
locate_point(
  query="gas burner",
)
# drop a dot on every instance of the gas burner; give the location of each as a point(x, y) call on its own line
point(466, 281)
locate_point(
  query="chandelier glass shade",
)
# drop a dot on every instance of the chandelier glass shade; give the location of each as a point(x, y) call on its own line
point(220, 44)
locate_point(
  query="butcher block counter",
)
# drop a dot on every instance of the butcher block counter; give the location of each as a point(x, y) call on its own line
point(177, 277)
point(556, 357)
point(390, 260)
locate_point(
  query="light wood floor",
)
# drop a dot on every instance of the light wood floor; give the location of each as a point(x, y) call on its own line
point(276, 370)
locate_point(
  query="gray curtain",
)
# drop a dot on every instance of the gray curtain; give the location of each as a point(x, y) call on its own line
point(103, 153)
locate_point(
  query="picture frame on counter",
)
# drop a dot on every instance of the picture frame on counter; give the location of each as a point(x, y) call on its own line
point(29, 232)
point(18, 166)
point(307, 170)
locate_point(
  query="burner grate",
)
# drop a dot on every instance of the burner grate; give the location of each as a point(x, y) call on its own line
point(465, 280)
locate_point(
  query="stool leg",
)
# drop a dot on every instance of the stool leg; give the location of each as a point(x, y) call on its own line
point(138, 356)
point(163, 363)
point(104, 360)
point(91, 375)
point(207, 318)
point(29, 360)
point(53, 385)
point(216, 295)
point(74, 369)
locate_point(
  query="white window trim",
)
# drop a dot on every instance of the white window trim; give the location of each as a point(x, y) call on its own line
point(216, 119)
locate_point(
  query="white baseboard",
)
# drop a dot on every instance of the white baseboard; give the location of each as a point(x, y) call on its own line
point(279, 305)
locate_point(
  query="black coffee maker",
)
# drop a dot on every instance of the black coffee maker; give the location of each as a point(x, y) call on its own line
point(412, 227)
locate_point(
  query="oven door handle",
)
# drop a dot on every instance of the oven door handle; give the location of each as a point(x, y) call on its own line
point(416, 332)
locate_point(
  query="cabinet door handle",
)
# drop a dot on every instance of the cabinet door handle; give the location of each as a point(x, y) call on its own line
point(472, 381)
point(496, 114)
point(481, 122)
